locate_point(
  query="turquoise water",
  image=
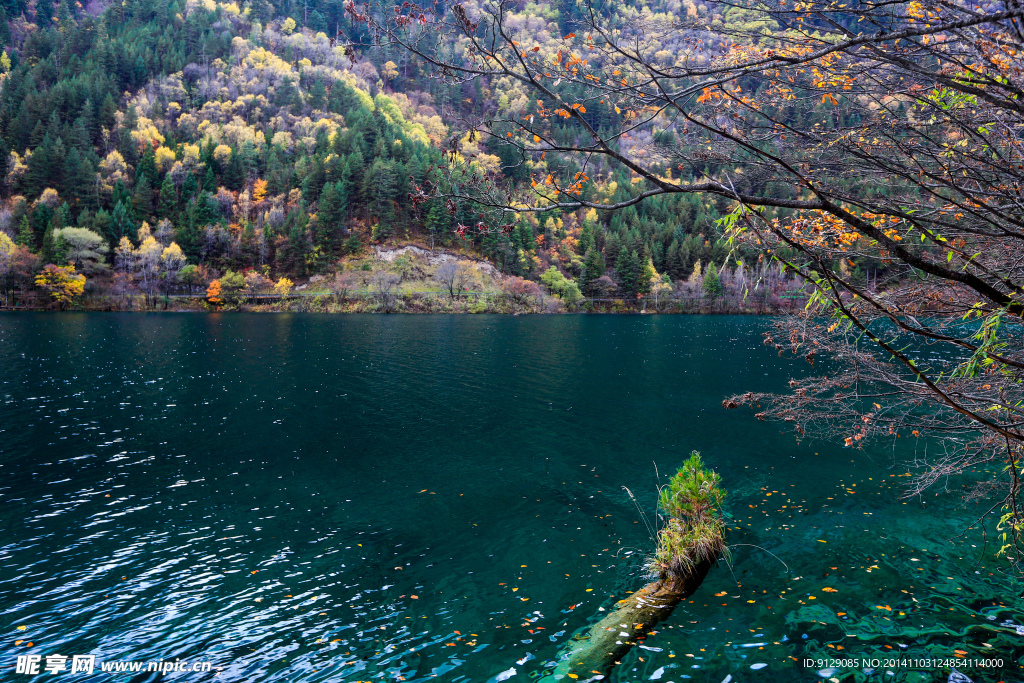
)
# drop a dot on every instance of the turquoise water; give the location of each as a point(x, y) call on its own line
point(357, 498)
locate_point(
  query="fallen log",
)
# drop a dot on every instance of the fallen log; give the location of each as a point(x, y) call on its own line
point(689, 544)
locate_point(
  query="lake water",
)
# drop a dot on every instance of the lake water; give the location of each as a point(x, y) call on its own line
point(357, 498)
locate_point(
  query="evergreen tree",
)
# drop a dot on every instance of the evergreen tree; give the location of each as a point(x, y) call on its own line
point(147, 167)
point(234, 173)
point(712, 284)
point(108, 109)
point(168, 205)
point(630, 270)
point(121, 224)
point(44, 13)
point(189, 188)
point(593, 265)
point(121, 195)
point(329, 217)
point(40, 217)
point(209, 181)
point(25, 238)
point(612, 248)
point(673, 264)
point(142, 200)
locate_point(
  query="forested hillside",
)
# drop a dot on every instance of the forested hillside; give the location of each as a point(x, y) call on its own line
point(158, 144)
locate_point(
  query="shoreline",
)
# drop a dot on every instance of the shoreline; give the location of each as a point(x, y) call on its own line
point(432, 306)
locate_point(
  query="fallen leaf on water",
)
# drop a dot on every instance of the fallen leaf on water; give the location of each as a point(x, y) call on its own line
point(415, 597)
point(589, 589)
point(22, 628)
point(718, 595)
point(829, 590)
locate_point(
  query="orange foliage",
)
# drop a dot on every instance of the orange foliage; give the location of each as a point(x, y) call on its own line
point(259, 191)
point(213, 293)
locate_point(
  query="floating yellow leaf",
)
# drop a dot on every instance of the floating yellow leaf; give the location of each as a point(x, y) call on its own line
point(589, 589)
point(718, 595)
point(22, 628)
point(536, 138)
point(415, 597)
point(829, 590)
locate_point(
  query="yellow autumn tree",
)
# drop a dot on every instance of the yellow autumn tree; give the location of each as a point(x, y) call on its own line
point(62, 283)
point(259, 191)
point(283, 286)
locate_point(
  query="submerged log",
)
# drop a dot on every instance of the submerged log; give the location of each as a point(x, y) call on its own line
point(688, 546)
point(604, 645)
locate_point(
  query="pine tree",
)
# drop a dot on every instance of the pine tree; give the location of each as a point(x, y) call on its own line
point(612, 248)
point(121, 224)
point(142, 200)
point(44, 13)
point(329, 217)
point(712, 285)
point(168, 205)
point(25, 238)
point(209, 182)
point(121, 195)
point(673, 266)
point(147, 167)
point(593, 265)
point(630, 270)
point(108, 109)
point(189, 188)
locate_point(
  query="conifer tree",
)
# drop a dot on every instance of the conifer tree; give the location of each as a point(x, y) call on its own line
point(168, 205)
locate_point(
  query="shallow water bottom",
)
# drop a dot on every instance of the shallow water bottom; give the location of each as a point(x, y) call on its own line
point(356, 498)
